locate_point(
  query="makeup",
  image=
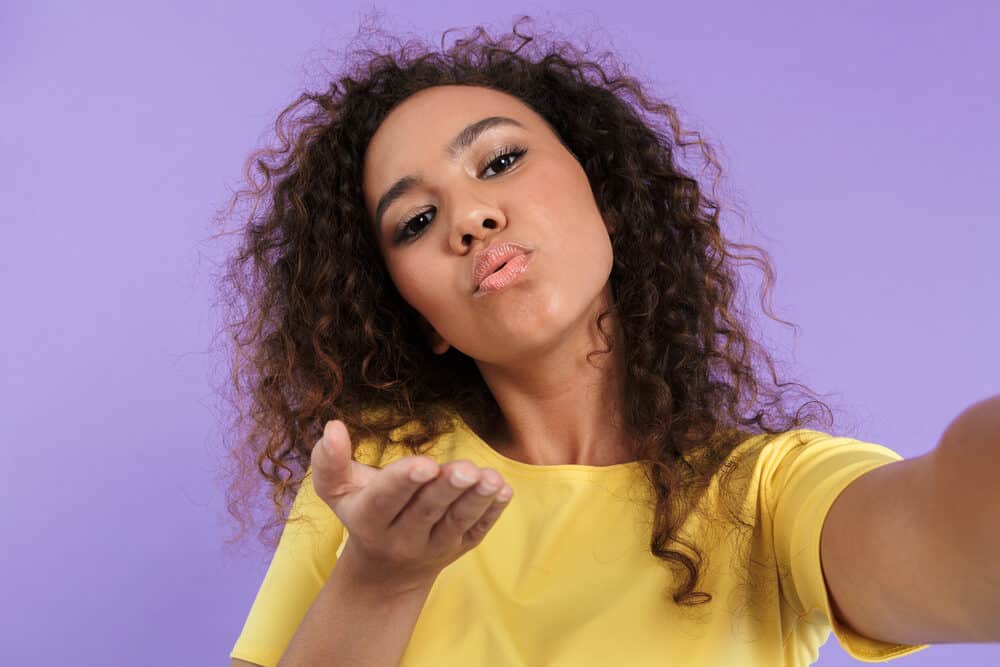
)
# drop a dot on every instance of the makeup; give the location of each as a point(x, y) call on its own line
point(506, 276)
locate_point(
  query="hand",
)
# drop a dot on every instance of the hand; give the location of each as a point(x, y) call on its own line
point(404, 532)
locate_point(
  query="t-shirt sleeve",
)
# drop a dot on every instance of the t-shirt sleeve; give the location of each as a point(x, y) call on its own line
point(306, 553)
point(800, 484)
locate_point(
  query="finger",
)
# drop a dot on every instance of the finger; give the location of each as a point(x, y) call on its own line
point(393, 488)
point(331, 461)
point(432, 501)
point(475, 534)
point(468, 508)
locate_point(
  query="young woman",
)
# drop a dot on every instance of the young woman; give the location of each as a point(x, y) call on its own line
point(492, 359)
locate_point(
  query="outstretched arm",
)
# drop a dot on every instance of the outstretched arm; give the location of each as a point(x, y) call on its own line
point(911, 550)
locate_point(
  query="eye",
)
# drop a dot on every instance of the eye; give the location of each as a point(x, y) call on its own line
point(407, 231)
point(510, 154)
point(506, 156)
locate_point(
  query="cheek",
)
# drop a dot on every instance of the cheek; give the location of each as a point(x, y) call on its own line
point(567, 202)
point(420, 285)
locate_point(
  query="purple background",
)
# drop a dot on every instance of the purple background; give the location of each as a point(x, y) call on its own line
point(861, 141)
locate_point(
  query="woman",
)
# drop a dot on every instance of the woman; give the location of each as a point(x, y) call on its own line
point(485, 261)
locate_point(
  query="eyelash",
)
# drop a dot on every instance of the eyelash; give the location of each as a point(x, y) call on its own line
point(514, 151)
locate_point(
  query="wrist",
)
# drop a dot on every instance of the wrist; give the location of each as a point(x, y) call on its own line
point(359, 571)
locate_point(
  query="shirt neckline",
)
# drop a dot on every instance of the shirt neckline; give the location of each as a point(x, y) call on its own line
point(521, 466)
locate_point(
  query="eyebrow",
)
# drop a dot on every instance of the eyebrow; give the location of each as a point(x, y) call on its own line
point(461, 143)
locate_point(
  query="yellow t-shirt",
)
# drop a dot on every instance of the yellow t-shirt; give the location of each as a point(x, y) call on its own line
point(565, 577)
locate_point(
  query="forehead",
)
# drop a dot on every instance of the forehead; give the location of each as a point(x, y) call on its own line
point(427, 121)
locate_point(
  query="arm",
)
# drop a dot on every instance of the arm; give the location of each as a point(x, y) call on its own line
point(354, 621)
point(967, 487)
point(910, 550)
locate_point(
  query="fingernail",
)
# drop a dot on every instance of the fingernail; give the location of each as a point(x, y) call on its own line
point(421, 474)
point(506, 494)
point(460, 480)
point(485, 488)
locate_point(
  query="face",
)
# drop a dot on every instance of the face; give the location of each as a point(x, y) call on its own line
point(514, 182)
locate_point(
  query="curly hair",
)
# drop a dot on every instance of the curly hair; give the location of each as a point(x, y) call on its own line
point(320, 332)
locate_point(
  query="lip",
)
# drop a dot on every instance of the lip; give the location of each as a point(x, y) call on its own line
point(489, 259)
point(505, 277)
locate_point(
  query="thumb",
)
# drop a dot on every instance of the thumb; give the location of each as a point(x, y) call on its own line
point(331, 461)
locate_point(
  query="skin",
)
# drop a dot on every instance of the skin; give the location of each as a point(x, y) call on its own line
point(530, 340)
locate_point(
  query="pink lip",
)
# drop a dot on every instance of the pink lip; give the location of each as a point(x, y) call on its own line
point(489, 260)
point(505, 277)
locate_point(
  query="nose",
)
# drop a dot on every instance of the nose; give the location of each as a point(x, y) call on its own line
point(474, 219)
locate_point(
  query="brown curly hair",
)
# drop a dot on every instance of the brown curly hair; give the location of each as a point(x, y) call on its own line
point(319, 331)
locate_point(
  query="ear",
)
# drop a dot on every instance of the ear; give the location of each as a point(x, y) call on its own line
point(610, 223)
point(437, 344)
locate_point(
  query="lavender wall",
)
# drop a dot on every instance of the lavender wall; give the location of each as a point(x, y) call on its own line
point(861, 141)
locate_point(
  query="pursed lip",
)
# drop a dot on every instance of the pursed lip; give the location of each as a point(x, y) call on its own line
point(490, 259)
